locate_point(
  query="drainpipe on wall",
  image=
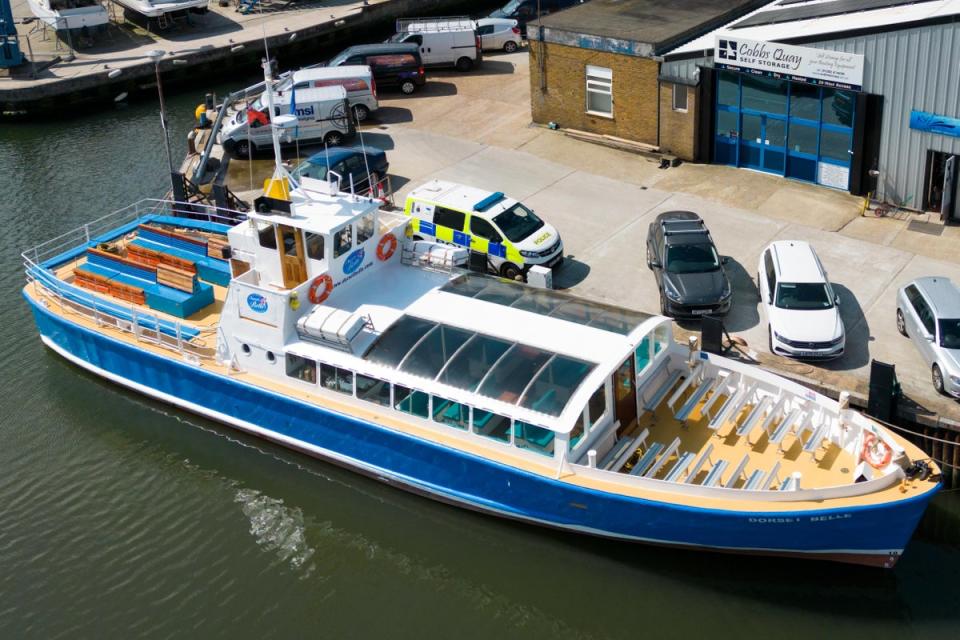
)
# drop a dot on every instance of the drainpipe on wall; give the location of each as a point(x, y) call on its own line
point(541, 62)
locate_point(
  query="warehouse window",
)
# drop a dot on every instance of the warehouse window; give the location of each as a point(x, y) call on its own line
point(679, 97)
point(599, 91)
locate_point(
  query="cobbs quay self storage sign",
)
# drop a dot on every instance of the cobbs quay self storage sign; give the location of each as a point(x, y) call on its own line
point(802, 64)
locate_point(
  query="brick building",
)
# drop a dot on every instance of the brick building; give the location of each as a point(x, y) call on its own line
point(596, 68)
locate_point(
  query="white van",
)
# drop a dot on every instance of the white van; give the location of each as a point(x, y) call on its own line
point(443, 42)
point(322, 115)
point(357, 80)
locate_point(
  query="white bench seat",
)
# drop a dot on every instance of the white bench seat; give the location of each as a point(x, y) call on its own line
point(753, 482)
point(622, 450)
point(662, 460)
point(813, 443)
point(737, 471)
point(722, 390)
point(700, 462)
point(691, 378)
point(663, 389)
point(647, 459)
point(684, 461)
point(713, 478)
point(785, 425)
point(694, 398)
point(732, 406)
point(756, 413)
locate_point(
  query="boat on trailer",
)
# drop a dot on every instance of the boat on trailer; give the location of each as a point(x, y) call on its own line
point(161, 8)
point(317, 322)
point(62, 15)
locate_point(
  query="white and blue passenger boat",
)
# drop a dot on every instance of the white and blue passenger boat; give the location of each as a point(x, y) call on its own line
point(316, 323)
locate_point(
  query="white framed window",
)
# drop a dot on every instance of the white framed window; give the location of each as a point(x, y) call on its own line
point(679, 97)
point(599, 91)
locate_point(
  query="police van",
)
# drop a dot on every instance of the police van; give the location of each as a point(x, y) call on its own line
point(511, 235)
point(322, 116)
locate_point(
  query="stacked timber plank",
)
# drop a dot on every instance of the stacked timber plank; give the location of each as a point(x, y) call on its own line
point(176, 277)
point(102, 284)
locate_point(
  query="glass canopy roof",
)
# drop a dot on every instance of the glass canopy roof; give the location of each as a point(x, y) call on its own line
point(547, 302)
point(508, 371)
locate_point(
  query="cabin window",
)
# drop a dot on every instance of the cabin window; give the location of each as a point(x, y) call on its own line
point(365, 228)
point(314, 245)
point(576, 434)
point(597, 405)
point(491, 425)
point(451, 413)
point(416, 403)
point(268, 237)
point(301, 368)
point(643, 354)
point(373, 390)
point(529, 436)
point(342, 241)
point(336, 379)
point(661, 337)
point(270, 357)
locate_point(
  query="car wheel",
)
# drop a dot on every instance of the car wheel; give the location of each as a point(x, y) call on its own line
point(408, 87)
point(901, 324)
point(510, 271)
point(333, 138)
point(938, 379)
point(242, 148)
point(464, 64)
point(510, 46)
point(361, 113)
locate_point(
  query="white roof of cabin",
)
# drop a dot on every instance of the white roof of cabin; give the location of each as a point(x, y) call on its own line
point(324, 215)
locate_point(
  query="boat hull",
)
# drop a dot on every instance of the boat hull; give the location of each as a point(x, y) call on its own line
point(68, 19)
point(872, 535)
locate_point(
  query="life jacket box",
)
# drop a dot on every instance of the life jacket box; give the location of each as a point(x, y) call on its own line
point(331, 324)
point(540, 277)
point(437, 254)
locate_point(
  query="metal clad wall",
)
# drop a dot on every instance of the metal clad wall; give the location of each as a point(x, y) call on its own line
point(913, 69)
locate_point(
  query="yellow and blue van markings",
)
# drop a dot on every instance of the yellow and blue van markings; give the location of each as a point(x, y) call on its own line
point(457, 237)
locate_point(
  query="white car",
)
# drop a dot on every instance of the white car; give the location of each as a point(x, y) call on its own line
point(499, 33)
point(928, 312)
point(801, 309)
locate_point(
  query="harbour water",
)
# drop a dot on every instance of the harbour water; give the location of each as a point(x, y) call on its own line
point(120, 516)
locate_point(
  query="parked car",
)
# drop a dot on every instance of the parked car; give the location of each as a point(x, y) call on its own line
point(928, 312)
point(511, 235)
point(394, 65)
point(363, 165)
point(523, 11)
point(499, 34)
point(443, 42)
point(322, 116)
point(688, 269)
point(357, 81)
point(801, 308)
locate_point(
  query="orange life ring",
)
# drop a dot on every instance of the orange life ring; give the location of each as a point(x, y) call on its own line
point(875, 451)
point(386, 246)
point(324, 282)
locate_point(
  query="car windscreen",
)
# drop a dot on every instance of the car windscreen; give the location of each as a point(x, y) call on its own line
point(803, 296)
point(308, 169)
point(398, 37)
point(949, 333)
point(692, 258)
point(511, 6)
point(517, 222)
point(338, 59)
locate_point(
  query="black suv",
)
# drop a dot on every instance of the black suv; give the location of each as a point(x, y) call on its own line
point(688, 269)
point(392, 64)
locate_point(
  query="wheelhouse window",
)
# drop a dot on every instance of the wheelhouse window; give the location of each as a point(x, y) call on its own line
point(661, 338)
point(314, 245)
point(301, 368)
point(336, 379)
point(600, 91)
point(450, 413)
point(373, 390)
point(576, 434)
point(679, 97)
point(267, 235)
point(342, 241)
point(597, 406)
point(365, 228)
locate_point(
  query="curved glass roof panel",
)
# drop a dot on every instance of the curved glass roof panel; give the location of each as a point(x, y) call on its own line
point(510, 372)
point(547, 302)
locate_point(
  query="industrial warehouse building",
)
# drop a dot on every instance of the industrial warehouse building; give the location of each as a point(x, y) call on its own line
point(858, 95)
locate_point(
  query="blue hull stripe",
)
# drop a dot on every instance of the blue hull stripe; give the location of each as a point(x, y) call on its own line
point(473, 481)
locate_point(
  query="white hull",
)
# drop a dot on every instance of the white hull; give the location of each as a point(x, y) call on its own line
point(157, 9)
point(69, 18)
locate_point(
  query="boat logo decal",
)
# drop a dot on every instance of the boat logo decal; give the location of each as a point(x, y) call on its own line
point(353, 261)
point(257, 303)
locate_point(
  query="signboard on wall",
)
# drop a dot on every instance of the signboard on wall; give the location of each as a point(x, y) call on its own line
point(944, 125)
point(832, 175)
point(802, 64)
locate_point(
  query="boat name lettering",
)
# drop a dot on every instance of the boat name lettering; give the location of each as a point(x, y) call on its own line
point(353, 261)
point(257, 303)
point(771, 520)
point(842, 516)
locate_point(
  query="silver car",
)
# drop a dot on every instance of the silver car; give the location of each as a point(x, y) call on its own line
point(499, 33)
point(928, 312)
